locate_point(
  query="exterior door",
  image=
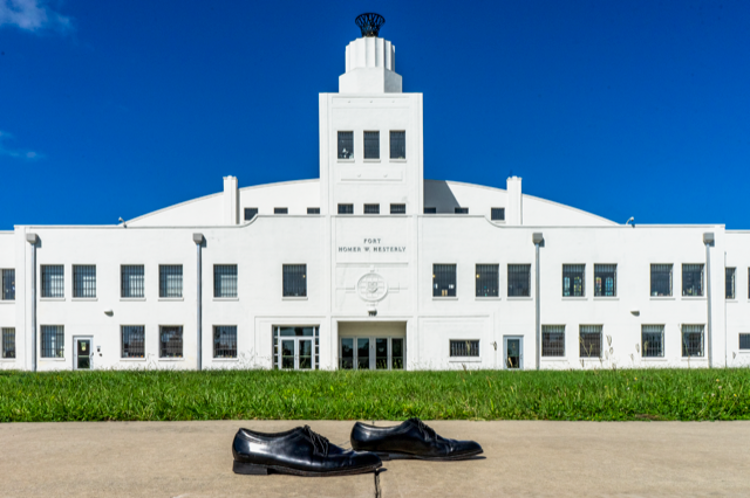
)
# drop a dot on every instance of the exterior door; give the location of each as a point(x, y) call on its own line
point(513, 349)
point(296, 353)
point(84, 356)
point(371, 353)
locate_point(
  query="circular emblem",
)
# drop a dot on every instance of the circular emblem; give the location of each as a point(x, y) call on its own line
point(372, 287)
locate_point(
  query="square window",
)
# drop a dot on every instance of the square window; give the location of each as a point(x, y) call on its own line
point(652, 341)
point(692, 340)
point(250, 213)
point(444, 280)
point(744, 341)
point(553, 340)
point(9, 343)
point(398, 208)
point(590, 341)
point(573, 280)
point(461, 210)
point(132, 281)
point(605, 280)
point(346, 145)
point(346, 208)
point(133, 341)
point(53, 281)
point(295, 280)
point(225, 280)
point(280, 210)
point(53, 341)
point(497, 214)
point(398, 145)
point(313, 210)
point(372, 145)
point(372, 208)
point(84, 281)
point(460, 348)
point(730, 279)
point(692, 280)
point(661, 280)
point(170, 280)
point(519, 280)
point(225, 341)
point(9, 285)
point(488, 284)
point(430, 210)
point(170, 341)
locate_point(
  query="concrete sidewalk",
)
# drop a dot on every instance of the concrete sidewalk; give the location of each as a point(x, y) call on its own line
point(547, 459)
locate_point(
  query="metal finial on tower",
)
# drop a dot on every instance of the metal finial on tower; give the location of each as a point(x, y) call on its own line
point(369, 23)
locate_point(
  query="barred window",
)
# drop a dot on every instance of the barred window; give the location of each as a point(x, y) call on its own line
point(398, 145)
point(133, 341)
point(53, 341)
point(744, 341)
point(295, 280)
point(313, 210)
point(225, 280)
point(9, 285)
point(488, 280)
point(372, 208)
point(605, 280)
point(661, 280)
point(170, 341)
point(652, 341)
point(250, 213)
point(443, 280)
point(519, 280)
point(573, 280)
point(464, 348)
point(9, 342)
point(692, 280)
point(692, 340)
point(53, 281)
point(461, 210)
point(730, 280)
point(346, 144)
point(497, 214)
point(398, 208)
point(430, 210)
point(84, 281)
point(372, 145)
point(170, 280)
point(590, 341)
point(280, 210)
point(553, 340)
point(225, 341)
point(132, 281)
point(346, 208)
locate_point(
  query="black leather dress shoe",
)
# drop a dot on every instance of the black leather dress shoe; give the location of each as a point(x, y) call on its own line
point(411, 439)
point(299, 451)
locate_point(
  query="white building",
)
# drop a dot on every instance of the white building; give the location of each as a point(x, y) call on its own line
point(373, 267)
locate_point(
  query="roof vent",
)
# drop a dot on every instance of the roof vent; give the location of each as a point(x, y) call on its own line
point(370, 24)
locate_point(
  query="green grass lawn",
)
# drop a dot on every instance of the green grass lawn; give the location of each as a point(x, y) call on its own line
point(480, 395)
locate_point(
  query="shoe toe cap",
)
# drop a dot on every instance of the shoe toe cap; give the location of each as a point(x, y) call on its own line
point(365, 459)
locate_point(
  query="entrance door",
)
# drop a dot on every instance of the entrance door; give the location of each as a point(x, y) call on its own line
point(371, 353)
point(297, 353)
point(513, 352)
point(83, 354)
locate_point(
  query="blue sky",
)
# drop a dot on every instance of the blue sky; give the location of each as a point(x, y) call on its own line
point(116, 109)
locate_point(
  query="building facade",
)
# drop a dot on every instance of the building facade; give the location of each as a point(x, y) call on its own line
point(373, 267)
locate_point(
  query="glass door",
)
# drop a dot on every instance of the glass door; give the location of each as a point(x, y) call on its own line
point(304, 354)
point(513, 353)
point(371, 353)
point(83, 354)
point(296, 348)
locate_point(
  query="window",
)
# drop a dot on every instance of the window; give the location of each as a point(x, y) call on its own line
point(590, 340)
point(9, 285)
point(250, 213)
point(84, 281)
point(225, 280)
point(692, 340)
point(170, 280)
point(497, 214)
point(398, 145)
point(692, 280)
point(9, 343)
point(346, 145)
point(661, 280)
point(170, 341)
point(132, 281)
point(225, 341)
point(730, 280)
point(398, 208)
point(652, 341)
point(519, 280)
point(460, 210)
point(53, 341)
point(605, 280)
point(372, 208)
point(295, 280)
point(280, 210)
point(133, 341)
point(744, 341)
point(372, 145)
point(313, 210)
point(444, 280)
point(430, 210)
point(573, 280)
point(553, 340)
point(346, 208)
point(53, 281)
point(464, 348)
point(488, 280)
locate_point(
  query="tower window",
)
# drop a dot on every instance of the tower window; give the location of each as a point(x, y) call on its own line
point(346, 145)
point(372, 145)
point(398, 145)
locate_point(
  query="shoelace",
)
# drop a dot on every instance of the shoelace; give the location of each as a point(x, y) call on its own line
point(320, 444)
point(426, 430)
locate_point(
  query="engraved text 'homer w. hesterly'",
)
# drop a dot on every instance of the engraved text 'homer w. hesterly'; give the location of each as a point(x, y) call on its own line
point(372, 245)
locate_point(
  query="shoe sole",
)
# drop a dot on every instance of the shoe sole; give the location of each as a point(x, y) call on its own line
point(254, 469)
point(406, 456)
